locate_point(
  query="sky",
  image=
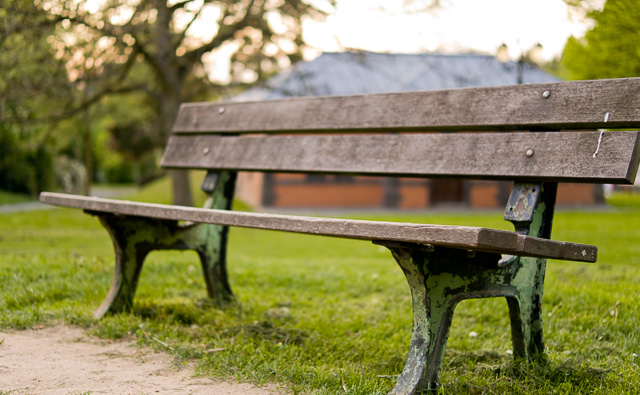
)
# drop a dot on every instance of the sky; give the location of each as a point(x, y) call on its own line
point(459, 26)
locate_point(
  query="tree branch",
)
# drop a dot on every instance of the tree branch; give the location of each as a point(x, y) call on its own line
point(179, 5)
point(184, 32)
point(25, 27)
point(225, 33)
point(85, 104)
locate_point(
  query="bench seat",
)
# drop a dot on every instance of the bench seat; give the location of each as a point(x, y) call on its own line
point(460, 237)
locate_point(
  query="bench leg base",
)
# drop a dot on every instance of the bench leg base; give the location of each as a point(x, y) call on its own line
point(525, 309)
point(134, 237)
point(439, 278)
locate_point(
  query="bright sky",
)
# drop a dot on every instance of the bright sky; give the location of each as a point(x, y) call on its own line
point(459, 26)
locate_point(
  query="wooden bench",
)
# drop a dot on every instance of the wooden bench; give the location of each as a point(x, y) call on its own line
point(513, 133)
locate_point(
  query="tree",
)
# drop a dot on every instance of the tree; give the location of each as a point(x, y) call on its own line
point(610, 49)
point(163, 49)
point(32, 83)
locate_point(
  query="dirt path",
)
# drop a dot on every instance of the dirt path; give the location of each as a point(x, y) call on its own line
point(64, 360)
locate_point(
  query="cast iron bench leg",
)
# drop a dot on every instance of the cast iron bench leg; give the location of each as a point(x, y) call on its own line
point(133, 239)
point(213, 252)
point(525, 310)
point(530, 208)
point(213, 248)
point(439, 278)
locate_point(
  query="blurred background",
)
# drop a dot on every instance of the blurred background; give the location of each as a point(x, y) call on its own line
point(89, 89)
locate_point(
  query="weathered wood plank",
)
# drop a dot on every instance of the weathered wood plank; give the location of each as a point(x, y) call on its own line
point(463, 237)
point(568, 105)
point(541, 156)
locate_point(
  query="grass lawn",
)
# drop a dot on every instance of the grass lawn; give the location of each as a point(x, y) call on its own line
point(7, 197)
point(333, 316)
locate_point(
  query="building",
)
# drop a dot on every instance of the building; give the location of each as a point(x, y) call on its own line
point(350, 73)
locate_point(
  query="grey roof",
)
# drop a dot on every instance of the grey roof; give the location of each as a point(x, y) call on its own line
point(349, 73)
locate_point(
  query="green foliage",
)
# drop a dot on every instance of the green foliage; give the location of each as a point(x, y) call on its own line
point(114, 169)
point(159, 191)
point(325, 315)
point(12, 198)
point(23, 169)
point(130, 133)
point(33, 84)
point(610, 49)
point(624, 199)
point(125, 67)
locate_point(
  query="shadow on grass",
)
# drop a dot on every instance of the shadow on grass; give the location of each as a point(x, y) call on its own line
point(270, 329)
point(489, 372)
point(270, 332)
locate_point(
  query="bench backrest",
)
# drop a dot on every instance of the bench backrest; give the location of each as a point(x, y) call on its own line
point(379, 134)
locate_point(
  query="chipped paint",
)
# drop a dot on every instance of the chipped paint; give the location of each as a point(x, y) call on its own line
point(439, 278)
point(134, 237)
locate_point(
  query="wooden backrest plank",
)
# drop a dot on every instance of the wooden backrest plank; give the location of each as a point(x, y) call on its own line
point(549, 156)
point(554, 106)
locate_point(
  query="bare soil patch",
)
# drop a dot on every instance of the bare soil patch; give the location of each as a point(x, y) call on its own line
point(64, 360)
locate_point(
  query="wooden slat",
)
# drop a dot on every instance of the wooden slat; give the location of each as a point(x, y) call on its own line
point(556, 156)
point(472, 238)
point(569, 105)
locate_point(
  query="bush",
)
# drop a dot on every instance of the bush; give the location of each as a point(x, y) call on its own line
point(23, 170)
point(118, 172)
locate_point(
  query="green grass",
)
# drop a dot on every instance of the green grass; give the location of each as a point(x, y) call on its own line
point(7, 197)
point(330, 316)
point(624, 199)
point(158, 191)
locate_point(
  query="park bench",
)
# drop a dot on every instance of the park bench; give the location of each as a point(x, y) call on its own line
point(534, 135)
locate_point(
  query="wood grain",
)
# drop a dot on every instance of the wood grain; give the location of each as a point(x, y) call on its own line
point(568, 105)
point(463, 237)
point(554, 156)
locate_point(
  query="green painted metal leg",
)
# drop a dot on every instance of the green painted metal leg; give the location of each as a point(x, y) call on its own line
point(129, 254)
point(531, 208)
point(432, 315)
point(525, 312)
point(134, 237)
point(439, 278)
point(212, 255)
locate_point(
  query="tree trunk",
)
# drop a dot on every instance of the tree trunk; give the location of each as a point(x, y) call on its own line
point(171, 79)
point(181, 187)
point(180, 178)
point(88, 161)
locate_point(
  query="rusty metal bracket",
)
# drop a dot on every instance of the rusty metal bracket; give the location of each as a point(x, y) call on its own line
point(210, 181)
point(522, 202)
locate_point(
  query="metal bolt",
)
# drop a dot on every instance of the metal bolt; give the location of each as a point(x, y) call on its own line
point(529, 153)
point(205, 151)
point(546, 94)
point(221, 110)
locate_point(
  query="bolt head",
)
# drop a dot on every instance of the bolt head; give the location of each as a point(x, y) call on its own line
point(546, 94)
point(221, 110)
point(529, 153)
point(205, 151)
